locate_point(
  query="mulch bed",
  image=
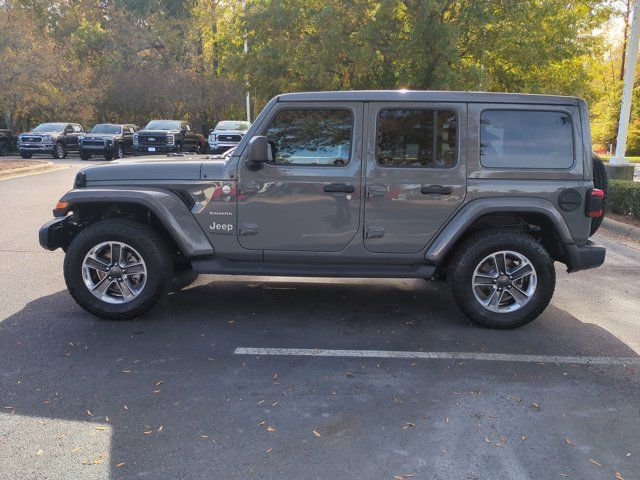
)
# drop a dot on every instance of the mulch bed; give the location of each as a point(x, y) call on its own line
point(6, 165)
point(628, 219)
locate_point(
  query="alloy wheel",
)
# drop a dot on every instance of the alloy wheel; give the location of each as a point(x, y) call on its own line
point(504, 281)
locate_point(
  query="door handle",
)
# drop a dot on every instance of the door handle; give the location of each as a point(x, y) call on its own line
point(339, 188)
point(435, 190)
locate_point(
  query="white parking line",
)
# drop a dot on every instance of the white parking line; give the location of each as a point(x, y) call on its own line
point(496, 357)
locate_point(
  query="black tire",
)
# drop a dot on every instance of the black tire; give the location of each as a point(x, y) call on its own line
point(471, 253)
point(108, 155)
point(59, 151)
point(601, 181)
point(152, 248)
point(26, 155)
point(4, 148)
point(119, 151)
point(178, 147)
point(198, 149)
point(84, 155)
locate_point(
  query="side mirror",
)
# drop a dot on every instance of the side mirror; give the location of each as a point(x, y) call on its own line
point(258, 152)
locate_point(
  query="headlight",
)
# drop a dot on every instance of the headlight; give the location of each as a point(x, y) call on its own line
point(109, 142)
point(135, 138)
point(212, 137)
point(46, 138)
point(170, 139)
point(81, 138)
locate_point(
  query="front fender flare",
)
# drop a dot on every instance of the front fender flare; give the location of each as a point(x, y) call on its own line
point(170, 210)
point(458, 224)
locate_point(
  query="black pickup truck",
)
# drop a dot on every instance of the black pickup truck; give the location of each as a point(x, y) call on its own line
point(6, 139)
point(163, 136)
point(108, 139)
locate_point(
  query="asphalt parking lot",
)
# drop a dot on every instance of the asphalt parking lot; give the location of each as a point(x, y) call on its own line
point(239, 378)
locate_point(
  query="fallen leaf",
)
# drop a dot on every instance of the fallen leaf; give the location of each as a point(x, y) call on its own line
point(160, 382)
point(261, 423)
point(487, 439)
point(275, 376)
point(569, 442)
point(126, 371)
point(596, 463)
point(204, 436)
point(100, 427)
point(157, 391)
point(619, 476)
point(40, 452)
point(269, 450)
point(160, 428)
point(628, 454)
point(446, 419)
point(274, 404)
point(535, 405)
point(89, 413)
point(316, 434)
point(120, 464)
point(564, 475)
point(270, 429)
point(523, 438)
point(125, 407)
point(261, 401)
point(211, 359)
point(147, 432)
point(408, 425)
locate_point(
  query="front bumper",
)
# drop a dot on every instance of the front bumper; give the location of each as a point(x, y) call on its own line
point(155, 148)
point(35, 147)
point(96, 148)
point(57, 233)
point(583, 257)
point(221, 146)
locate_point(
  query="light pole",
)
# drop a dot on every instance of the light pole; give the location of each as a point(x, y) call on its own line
point(619, 160)
point(246, 51)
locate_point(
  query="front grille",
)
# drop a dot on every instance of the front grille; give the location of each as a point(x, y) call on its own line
point(90, 142)
point(152, 140)
point(31, 139)
point(229, 138)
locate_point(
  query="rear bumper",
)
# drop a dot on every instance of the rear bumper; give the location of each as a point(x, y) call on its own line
point(57, 233)
point(583, 257)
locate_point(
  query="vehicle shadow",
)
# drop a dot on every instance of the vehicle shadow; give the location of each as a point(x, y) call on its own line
point(176, 397)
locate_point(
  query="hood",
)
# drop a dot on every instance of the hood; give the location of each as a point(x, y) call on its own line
point(156, 169)
point(158, 132)
point(229, 132)
point(51, 134)
point(100, 135)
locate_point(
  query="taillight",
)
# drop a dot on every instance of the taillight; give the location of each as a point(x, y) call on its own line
point(595, 202)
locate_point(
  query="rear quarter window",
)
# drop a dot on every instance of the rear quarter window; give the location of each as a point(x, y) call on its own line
point(526, 139)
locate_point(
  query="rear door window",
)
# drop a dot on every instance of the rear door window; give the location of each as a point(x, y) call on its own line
point(416, 138)
point(526, 139)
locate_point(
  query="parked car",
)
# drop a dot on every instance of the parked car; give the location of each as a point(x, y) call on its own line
point(226, 134)
point(56, 139)
point(108, 139)
point(162, 136)
point(6, 140)
point(485, 189)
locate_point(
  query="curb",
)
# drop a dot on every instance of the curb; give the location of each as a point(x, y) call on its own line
point(620, 228)
point(17, 172)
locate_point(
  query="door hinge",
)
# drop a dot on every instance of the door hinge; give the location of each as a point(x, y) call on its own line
point(249, 188)
point(376, 191)
point(373, 232)
point(248, 229)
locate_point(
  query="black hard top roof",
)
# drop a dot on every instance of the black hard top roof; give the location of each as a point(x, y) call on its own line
point(426, 96)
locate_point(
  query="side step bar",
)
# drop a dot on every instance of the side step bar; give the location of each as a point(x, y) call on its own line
point(234, 267)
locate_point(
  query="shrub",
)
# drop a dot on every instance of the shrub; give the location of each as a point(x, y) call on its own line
point(623, 197)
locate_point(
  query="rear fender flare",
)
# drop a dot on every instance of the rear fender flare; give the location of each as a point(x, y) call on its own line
point(447, 238)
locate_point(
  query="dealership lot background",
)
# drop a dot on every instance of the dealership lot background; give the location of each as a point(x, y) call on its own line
point(168, 397)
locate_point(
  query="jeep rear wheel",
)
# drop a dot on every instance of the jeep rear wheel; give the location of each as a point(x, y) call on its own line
point(502, 279)
point(117, 269)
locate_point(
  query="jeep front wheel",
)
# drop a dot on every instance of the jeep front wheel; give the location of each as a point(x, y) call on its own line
point(502, 279)
point(117, 269)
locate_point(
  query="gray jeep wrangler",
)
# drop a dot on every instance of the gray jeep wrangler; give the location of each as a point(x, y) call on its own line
point(486, 190)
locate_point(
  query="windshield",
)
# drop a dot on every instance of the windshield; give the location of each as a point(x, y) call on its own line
point(163, 125)
point(232, 125)
point(106, 128)
point(50, 127)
